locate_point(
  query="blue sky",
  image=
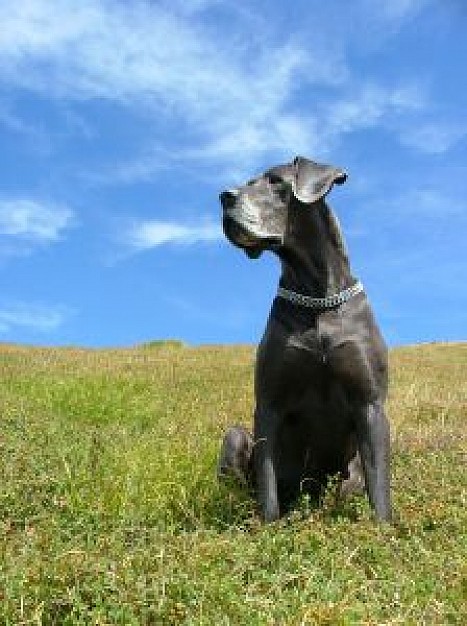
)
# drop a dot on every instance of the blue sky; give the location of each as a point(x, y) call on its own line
point(121, 121)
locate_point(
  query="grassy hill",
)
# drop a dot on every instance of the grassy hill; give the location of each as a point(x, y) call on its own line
point(110, 512)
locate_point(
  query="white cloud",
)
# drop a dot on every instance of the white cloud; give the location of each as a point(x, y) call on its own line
point(401, 9)
point(241, 146)
point(109, 50)
point(32, 221)
point(435, 137)
point(168, 65)
point(393, 12)
point(15, 123)
point(152, 234)
point(423, 208)
point(39, 317)
point(189, 7)
point(370, 105)
point(426, 203)
point(231, 96)
point(26, 224)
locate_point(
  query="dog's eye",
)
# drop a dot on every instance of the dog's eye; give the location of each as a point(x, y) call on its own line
point(274, 179)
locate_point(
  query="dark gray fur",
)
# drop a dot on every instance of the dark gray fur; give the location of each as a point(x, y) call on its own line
point(321, 377)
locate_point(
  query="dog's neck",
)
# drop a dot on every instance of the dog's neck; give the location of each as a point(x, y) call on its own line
point(314, 258)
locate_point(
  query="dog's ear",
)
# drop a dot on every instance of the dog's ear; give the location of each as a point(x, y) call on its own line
point(311, 181)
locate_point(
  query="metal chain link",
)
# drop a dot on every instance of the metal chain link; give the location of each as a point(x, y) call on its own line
point(328, 302)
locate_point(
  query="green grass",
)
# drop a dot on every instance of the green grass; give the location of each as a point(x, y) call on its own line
point(110, 512)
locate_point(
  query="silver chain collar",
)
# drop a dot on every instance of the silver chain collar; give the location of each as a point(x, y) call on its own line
point(328, 302)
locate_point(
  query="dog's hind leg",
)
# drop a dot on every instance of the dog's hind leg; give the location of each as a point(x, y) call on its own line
point(355, 481)
point(235, 456)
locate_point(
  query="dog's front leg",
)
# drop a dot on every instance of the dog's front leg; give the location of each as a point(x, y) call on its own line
point(373, 438)
point(264, 464)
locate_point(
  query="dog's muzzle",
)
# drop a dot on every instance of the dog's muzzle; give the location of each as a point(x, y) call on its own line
point(236, 232)
point(228, 199)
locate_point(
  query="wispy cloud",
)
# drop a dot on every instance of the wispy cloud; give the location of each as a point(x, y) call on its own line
point(241, 145)
point(26, 224)
point(390, 15)
point(435, 137)
point(401, 9)
point(32, 316)
point(152, 234)
point(424, 204)
point(112, 51)
point(430, 212)
point(33, 221)
point(231, 98)
point(162, 60)
point(369, 105)
point(13, 122)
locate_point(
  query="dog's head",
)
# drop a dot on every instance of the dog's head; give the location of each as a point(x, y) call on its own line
point(255, 216)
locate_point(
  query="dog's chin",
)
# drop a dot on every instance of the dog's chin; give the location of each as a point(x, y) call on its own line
point(241, 238)
point(253, 252)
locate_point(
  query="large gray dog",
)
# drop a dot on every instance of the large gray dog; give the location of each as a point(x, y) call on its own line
point(321, 368)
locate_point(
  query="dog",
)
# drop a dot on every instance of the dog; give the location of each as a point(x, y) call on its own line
point(321, 373)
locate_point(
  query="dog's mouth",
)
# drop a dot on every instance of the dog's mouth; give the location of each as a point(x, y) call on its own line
point(239, 236)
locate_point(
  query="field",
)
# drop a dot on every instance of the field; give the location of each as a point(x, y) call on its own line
point(110, 512)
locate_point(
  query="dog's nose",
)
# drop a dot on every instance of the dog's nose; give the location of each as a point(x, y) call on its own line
point(228, 198)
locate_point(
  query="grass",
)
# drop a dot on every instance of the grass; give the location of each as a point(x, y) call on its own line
point(110, 512)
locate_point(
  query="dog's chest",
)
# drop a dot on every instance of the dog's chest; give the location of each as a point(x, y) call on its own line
point(306, 347)
point(314, 343)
